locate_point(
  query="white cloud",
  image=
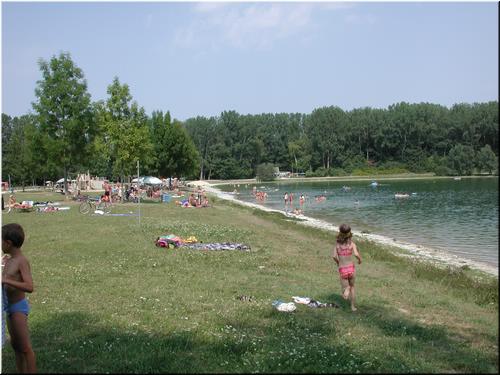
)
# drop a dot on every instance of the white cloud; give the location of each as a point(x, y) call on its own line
point(250, 25)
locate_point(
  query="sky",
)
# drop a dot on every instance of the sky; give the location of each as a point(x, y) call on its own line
point(203, 58)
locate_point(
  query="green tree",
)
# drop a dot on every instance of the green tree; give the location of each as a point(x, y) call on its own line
point(486, 160)
point(19, 153)
point(179, 156)
point(326, 130)
point(100, 161)
point(202, 132)
point(299, 152)
point(265, 172)
point(461, 159)
point(63, 112)
point(124, 132)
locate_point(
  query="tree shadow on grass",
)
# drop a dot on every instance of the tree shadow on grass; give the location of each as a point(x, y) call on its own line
point(308, 340)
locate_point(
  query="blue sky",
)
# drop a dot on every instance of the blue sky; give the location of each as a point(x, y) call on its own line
point(263, 57)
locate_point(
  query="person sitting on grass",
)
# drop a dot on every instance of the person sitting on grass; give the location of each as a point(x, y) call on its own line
point(342, 255)
point(204, 202)
point(12, 202)
point(192, 200)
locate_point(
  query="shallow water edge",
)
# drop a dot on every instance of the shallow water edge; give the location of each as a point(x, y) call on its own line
point(440, 257)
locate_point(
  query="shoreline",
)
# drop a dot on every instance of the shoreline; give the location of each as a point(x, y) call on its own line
point(404, 176)
point(439, 258)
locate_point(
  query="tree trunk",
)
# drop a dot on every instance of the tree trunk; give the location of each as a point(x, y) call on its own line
point(201, 169)
point(65, 182)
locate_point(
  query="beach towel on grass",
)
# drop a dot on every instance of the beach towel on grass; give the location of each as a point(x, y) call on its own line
point(216, 246)
point(169, 239)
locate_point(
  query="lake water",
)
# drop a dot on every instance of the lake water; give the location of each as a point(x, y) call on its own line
point(458, 216)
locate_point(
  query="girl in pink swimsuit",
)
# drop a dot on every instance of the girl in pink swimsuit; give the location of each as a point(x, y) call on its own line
point(342, 255)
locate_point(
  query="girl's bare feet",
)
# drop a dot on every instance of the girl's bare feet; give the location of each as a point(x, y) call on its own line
point(353, 309)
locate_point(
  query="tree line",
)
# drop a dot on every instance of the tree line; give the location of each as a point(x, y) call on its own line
point(329, 141)
point(68, 133)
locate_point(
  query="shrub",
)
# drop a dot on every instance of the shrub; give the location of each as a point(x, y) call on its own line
point(265, 172)
point(461, 159)
point(354, 162)
point(442, 170)
point(337, 172)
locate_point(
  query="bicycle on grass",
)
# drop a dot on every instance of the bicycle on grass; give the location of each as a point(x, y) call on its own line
point(93, 204)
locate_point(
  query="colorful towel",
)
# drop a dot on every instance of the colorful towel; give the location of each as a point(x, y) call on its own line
point(216, 246)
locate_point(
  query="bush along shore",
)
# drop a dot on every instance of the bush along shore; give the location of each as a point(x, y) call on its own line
point(107, 299)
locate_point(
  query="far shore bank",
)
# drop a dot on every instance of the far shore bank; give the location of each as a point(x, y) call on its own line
point(399, 248)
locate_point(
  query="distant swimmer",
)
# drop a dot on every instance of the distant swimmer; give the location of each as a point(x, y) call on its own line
point(319, 198)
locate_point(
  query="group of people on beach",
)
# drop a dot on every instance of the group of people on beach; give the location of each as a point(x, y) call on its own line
point(288, 199)
point(197, 199)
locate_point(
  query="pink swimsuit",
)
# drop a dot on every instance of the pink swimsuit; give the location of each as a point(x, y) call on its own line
point(346, 272)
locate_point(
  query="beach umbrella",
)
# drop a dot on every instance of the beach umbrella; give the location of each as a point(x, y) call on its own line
point(150, 180)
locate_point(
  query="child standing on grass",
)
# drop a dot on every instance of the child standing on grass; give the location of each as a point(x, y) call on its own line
point(342, 255)
point(17, 280)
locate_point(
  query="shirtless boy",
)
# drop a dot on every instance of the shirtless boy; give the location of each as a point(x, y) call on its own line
point(17, 280)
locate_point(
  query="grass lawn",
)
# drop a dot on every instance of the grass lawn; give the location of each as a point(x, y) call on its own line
point(107, 300)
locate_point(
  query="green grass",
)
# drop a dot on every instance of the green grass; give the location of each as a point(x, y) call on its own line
point(107, 300)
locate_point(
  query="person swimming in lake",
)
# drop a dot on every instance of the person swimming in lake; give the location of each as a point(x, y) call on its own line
point(343, 251)
point(319, 198)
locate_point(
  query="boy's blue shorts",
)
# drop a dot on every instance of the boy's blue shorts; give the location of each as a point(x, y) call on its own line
point(20, 306)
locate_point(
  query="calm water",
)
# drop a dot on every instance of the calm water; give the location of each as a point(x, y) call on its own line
point(459, 216)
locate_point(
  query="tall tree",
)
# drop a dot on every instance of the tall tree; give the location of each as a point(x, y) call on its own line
point(21, 150)
point(125, 132)
point(202, 132)
point(63, 111)
point(182, 158)
point(175, 153)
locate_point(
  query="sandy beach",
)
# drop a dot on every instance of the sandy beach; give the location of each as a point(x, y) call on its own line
point(439, 258)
